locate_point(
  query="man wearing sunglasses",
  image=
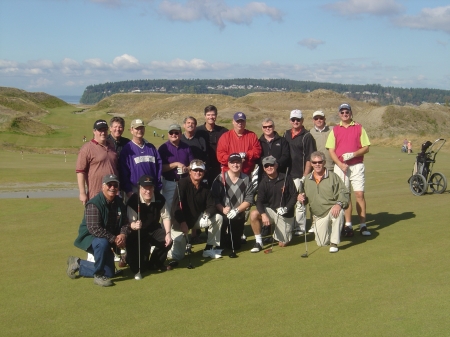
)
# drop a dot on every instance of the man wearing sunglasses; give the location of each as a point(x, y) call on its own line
point(272, 144)
point(274, 206)
point(95, 159)
point(104, 226)
point(301, 145)
point(348, 143)
point(175, 156)
point(193, 207)
point(327, 197)
point(138, 158)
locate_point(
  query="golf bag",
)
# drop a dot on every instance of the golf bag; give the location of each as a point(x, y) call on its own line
point(423, 160)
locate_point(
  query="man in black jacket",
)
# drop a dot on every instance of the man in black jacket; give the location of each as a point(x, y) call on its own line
point(277, 196)
point(274, 145)
point(193, 207)
point(151, 209)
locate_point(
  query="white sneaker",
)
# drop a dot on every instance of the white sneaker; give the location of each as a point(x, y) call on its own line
point(334, 249)
point(298, 233)
point(211, 253)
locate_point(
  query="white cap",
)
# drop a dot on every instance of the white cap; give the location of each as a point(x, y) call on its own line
point(318, 113)
point(296, 114)
point(196, 165)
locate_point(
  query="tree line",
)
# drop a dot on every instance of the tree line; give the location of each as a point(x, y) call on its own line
point(367, 92)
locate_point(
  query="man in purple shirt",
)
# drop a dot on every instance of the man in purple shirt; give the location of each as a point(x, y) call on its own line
point(175, 156)
point(139, 158)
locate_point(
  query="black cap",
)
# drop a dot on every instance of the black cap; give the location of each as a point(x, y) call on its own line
point(100, 124)
point(146, 180)
point(109, 178)
point(234, 157)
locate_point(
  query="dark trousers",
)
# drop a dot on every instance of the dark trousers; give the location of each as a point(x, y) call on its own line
point(237, 229)
point(149, 237)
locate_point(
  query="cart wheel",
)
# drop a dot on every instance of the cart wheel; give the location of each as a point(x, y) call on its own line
point(418, 184)
point(438, 183)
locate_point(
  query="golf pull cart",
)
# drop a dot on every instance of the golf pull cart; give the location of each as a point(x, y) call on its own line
point(422, 176)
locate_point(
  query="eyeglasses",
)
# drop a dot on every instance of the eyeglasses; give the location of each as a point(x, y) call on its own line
point(296, 120)
point(345, 112)
point(317, 162)
point(267, 126)
point(176, 133)
point(115, 185)
point(269, 165)
point(319, 117)
point(198, 170)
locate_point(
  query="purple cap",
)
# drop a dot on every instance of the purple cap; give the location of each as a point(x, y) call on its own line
point(239, 116)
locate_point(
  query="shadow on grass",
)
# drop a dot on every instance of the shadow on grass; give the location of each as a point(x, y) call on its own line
point(374, 224)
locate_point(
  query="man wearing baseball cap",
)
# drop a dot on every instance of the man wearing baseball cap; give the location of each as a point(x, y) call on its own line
point(95, 159)
point(193, 208)
point(104, 226)
point(301, 145)
point(348, 143)
point(242, 141)
point(150, 205)
point(139, 157)
point(275, 205)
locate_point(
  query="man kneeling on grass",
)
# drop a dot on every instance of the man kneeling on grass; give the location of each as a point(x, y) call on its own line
point(327, 197)
point(277, 197)
point(104, 226)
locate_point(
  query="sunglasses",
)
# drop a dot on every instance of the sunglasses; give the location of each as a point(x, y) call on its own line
point(174, 133)
point(321, 118)
point(198, 170)
point(317, 162)
point(296, 120)
point(115, 185)
point(267, 126)
point(269, 165)
point(344, 112)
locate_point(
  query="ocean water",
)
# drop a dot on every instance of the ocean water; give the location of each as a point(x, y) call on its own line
point(71, 99)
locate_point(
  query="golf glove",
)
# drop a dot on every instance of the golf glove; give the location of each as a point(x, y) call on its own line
point(281, 210)
point(348, 156)
point(242, 154)
point(232, 214)
point(302, 180)
point(204, 221)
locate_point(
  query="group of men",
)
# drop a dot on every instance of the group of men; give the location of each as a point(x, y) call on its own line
point(207, 178)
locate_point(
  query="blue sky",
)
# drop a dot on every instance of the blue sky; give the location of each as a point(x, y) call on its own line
point(62, 46)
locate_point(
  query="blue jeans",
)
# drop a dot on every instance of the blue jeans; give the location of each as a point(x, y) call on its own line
point(104, 260)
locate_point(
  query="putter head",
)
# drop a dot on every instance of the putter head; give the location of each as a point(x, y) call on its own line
point(190, 266)
point(233, 255)
point(138, 276)
point(268, 251)
point(305, 255)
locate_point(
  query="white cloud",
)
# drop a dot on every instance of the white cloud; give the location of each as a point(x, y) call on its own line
point(310, 43)
point(371, 7)
point(39, 83)
point(428, 19)
point(126, 62)
point(217, 11)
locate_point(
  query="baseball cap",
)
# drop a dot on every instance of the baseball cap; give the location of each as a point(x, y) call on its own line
point(269, 160)
point(197, 165)
point(146, 180)
point(110, 178)
point(318, 113)
point(345, 106)
point(100, 124)
point(135, 123)
point(234, 157)
point(239, 116)
point(176, 127)
point(296, 114)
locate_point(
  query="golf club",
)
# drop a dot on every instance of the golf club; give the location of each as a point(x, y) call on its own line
point(270, 250)
point(186, 235)
point(138, 276)
point(233, 253)
point(301, 190)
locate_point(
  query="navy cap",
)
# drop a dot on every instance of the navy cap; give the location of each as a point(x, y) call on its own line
point(100, 124)
point(239, 116)
point(234, 157)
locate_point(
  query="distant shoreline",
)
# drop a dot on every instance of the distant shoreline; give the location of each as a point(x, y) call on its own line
point(71, 99)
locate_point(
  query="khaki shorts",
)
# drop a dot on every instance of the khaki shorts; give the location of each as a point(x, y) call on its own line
point(354, 175)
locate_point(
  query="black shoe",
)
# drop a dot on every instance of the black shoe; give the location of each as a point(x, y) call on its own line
point(256, 248)
point(347, 231)
point(268, 240)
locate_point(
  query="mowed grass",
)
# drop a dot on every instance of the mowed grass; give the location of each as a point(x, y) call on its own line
point(394, 283)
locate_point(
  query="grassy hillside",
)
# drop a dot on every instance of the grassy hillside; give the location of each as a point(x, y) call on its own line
point(63, 126)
